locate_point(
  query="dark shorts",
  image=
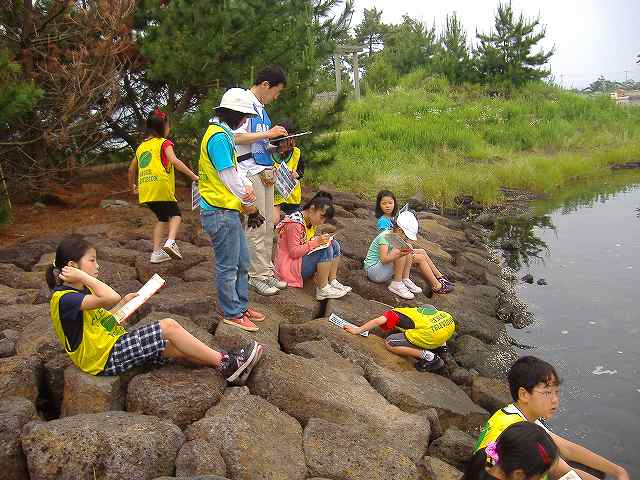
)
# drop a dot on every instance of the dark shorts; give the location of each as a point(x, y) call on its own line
point(134, 348)
point(311, 260)
point(399, 339)
point(164, 210)
point(289, 208)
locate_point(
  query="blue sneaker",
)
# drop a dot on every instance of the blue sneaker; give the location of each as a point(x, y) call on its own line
point(430, 366)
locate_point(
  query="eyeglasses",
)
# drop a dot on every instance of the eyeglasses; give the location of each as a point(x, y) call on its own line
point(549, 393)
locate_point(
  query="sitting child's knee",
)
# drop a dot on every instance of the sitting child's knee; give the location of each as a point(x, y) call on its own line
point(168, 325)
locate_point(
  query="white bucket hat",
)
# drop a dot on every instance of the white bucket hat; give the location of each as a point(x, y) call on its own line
point(239, 100)
point(408, 222)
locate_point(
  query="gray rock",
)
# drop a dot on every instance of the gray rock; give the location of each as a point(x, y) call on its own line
point(39, 339)
point(197, 477)
point(541, 281)
point(528, 278)
point(199, 457)
point(436, 469)
point(15, 277)
point(354, 452)
point(490, 393)
point(26, 254)
point(470, 352)
point(7, 347)
point(85, 393)
point(179, 394)
point(255, 439)
point(14, 413)
point(20, 376)
point(11, 334)
point(415, 392)
point(308, 388)
point(454, 447)
point(486, 220)
point(113, 203)
point(110, 445)
point(231, 337)
point(461, 376)
point(321, 350)
point(188, 299)
point(11, 296)
point(16, 317)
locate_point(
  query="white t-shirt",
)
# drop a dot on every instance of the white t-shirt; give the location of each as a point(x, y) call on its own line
point(249, 167)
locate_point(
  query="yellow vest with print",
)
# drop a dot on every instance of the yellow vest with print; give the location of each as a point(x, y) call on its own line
point(100, 332)
point(155, 183)
point(212, 189)
point(432, 327)
point(296, 195)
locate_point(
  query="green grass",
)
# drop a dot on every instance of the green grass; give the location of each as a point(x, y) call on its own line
point(427, 136)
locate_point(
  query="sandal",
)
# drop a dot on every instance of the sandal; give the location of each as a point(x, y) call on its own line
point(444, 289)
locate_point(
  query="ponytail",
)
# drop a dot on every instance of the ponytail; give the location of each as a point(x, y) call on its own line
point(71, 249)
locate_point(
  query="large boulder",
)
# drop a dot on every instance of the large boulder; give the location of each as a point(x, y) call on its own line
point(415, 392)
point(194, 329)
point(356, 237)
point(186, 298)
point(232, 337)
point(26, 254)
point(354, 452)
point(202, 272)
point(123, 256)
point(195, 477)
point(54, 382)
point(307, 388)
point(84, 393)
point(15, 277)
point(362, 350)
point(436, 469)
point(111, 272)
point(197, 457)
point(39, 339)
point(255, 439)
point(14, 413)
point(321, 350)
point(192, 256)
point(470, 351)
point(12, 296)
point(295, 304)
point(490, 393)
point(176, 393)
point(109, 445)
point(454, 447)
point(20, 376)
point(18, 317)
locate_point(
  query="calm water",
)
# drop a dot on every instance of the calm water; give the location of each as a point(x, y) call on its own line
point(587, 246)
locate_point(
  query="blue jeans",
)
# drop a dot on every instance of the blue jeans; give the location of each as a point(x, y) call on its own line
point(232, 260)
point(310, 261)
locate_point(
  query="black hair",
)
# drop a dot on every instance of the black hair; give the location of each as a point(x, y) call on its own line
point(71, 249)
point(522, 446)
point(323, 201)
point(156, 122)
point(231, 117)
point(380, 196)
point(527, 372)
point(273, 74)
point(288, 125)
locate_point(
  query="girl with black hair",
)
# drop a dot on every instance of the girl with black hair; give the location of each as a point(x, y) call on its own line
point(386, 209)
point(524, 451)
point(153, 166)
point(300, 254)
point(98, 345)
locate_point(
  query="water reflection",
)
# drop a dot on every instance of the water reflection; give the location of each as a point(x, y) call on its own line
point(516, 236)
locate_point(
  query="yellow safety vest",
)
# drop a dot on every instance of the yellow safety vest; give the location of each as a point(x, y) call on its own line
point(155, 183)
point(100, 331)
point(212, 189)
point(432, 327)
point(498, 423)
point(296, 195)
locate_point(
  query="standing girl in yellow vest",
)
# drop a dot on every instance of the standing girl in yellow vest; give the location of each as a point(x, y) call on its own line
point(98, 345)
point(422, 333)
point(155, 162)
point(288, 153)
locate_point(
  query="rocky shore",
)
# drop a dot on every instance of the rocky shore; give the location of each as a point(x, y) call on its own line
point(321, 404)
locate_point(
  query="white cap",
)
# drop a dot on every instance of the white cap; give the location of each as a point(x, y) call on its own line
point(408, 222)
point(239, 100)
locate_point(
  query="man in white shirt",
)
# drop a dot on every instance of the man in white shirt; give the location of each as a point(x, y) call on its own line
point(256, 163)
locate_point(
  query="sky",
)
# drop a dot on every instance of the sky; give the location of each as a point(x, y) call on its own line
point(591, 37)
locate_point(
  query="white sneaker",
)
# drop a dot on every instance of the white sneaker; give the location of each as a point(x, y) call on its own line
point(263, 287)
point(329, 292)
point(413, 288)
point(274, 282)
point(160, 256)
point(171, 248)
point(401, 290)
point(336, 284)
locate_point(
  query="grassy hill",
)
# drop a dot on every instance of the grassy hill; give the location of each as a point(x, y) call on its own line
point(425, 135)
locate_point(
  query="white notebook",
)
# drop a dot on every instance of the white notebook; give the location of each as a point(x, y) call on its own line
point(145, 293)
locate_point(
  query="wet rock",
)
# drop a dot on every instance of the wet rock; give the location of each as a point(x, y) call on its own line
point(436, 469)
point(353, 453)
point(454, 447)
point(14, 413)
point(85, 393)
point(179, 394)
point(20, 376)
point(490, 393)
point(541, 281)
point(528, 278)
point(415, 391)
point(307, 388)
point(470, 351)
point(255, 439)
point(114, 445)
point(7, 347)
point(17, 317)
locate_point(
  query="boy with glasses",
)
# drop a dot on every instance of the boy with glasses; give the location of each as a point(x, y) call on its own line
point(534, 388)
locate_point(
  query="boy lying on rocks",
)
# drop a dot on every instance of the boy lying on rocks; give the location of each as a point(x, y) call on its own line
point(422, 333)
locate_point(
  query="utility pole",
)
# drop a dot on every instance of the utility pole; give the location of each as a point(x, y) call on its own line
point(338, 67)
point(356, 75)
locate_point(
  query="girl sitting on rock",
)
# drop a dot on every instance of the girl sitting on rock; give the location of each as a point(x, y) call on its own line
point(524, 451)
point(98, 345)
point(296, 259)
point(422, 333)
point(386, 209)
point(384, 263)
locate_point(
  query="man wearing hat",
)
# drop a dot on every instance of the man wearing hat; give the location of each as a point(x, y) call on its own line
point(256, 162)
point(224, 195)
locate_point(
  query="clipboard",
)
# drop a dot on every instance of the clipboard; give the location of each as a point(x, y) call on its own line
point(276, 141)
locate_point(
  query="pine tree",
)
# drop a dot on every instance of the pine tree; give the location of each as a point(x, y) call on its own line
point(370, 31)
point(410, 45)
point(505, 56)
point(453, 58)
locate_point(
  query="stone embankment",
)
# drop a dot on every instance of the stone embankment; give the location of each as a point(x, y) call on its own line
point(321, 404)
